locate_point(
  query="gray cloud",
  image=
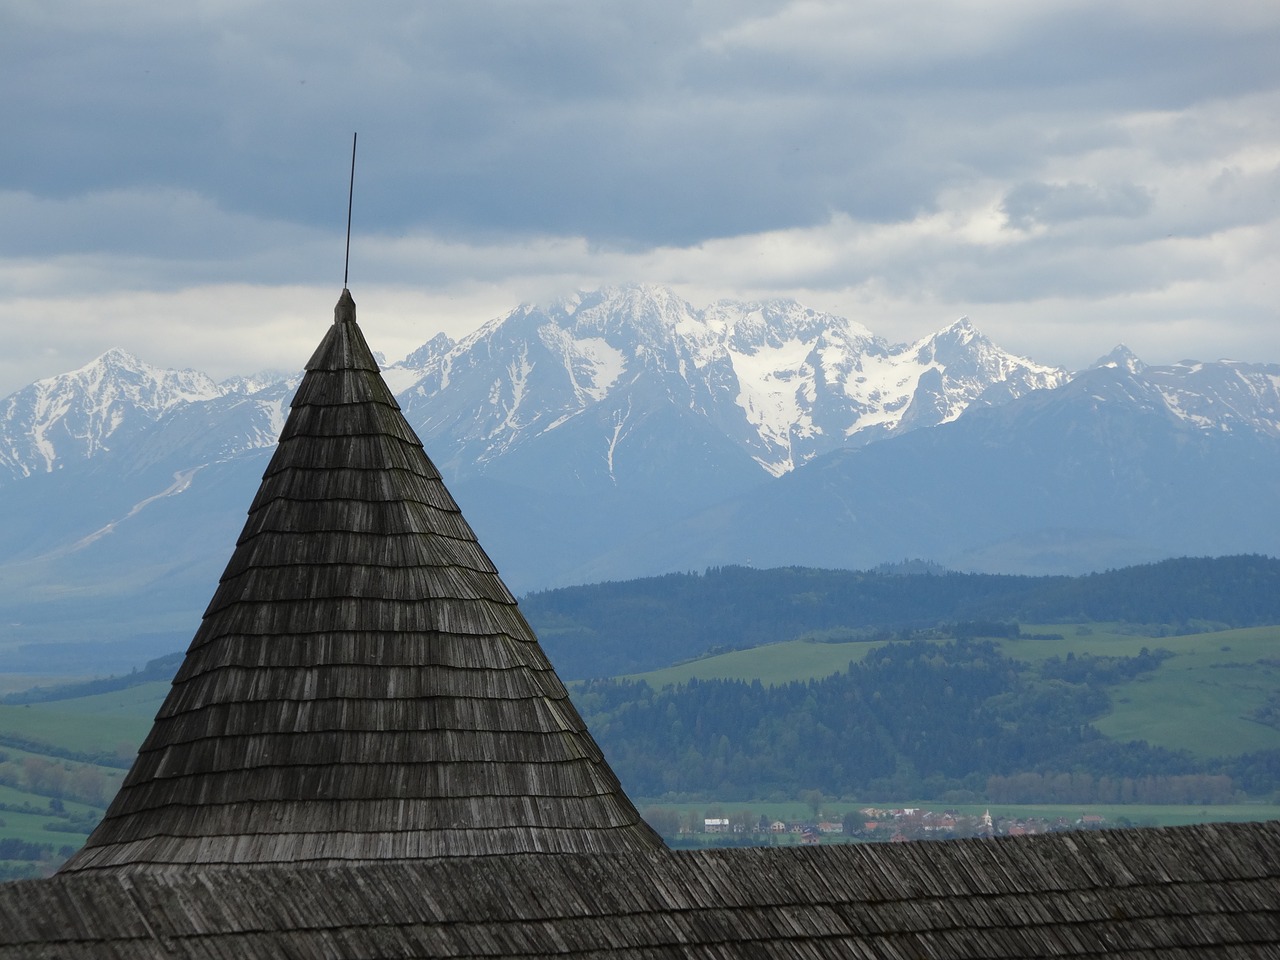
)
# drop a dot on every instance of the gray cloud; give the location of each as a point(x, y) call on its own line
point(1031, 204)
point(635, 122)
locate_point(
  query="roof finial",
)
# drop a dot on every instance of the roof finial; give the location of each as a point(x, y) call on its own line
point(351, 190)
point(345, 311)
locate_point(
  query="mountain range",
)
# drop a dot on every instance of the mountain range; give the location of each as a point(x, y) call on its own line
point(624, 432)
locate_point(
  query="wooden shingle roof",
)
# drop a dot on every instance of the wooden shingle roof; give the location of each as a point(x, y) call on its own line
point(362, 686)
point(1188, 893)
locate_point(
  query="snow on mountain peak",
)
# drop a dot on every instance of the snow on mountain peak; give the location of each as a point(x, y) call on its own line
point(650, 314)
point(76, 414)
point(936, 378)
point(784, 381)
point(255, 382)
point(952, 342)
point(780, 381)
point(118, 374)
point(1225, 395)
point(1121, 357)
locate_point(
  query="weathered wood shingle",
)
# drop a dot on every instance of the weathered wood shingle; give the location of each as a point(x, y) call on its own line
point(1193, 892)
point(363, 685)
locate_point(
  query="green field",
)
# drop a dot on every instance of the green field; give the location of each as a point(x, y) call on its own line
point(1198, 700)
point(37, 742)
point(31, 827)
point(774, 663)
point(28, 817)
point(107, 723)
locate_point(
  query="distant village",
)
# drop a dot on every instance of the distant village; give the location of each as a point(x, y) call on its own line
point(866, 825)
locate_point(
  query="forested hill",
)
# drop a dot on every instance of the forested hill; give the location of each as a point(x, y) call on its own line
point(957, 720)
point(632, 626)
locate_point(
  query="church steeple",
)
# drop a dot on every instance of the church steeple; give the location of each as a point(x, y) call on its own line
point(363, 686)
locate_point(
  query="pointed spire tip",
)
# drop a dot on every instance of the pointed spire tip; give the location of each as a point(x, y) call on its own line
point(345, 311)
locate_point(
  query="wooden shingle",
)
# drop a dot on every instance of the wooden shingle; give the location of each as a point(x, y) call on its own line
point(1084, 897)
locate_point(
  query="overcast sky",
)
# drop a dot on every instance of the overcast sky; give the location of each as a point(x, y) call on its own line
point(1069, 174)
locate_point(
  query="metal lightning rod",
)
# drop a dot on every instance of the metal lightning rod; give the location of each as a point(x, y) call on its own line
point(351, 190)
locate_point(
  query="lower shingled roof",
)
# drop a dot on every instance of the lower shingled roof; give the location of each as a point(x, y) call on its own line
point(1210, 891)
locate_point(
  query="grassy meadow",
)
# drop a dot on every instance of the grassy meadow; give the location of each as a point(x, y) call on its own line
point(61, 762)
point(112, 722)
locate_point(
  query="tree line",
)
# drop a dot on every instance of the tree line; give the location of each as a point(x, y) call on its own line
point(634, 626)
point(84, 782)
point(1082, 787)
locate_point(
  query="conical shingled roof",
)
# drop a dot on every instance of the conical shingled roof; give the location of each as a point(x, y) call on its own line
point(363, 686)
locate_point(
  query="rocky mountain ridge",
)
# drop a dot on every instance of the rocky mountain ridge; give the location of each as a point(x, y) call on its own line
point(782, 382)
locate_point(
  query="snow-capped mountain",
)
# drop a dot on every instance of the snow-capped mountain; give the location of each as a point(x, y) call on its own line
point(77, 415)
point(118, 401)
point(780, 382)
point(1225, 395)
point(625, 432)
point(1222, 396)
point(784, 383)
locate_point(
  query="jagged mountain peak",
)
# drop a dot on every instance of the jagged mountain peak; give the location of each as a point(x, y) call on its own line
point(781, 381)
point(958, 367)
point(648, 312)
point(434, 348)
point(249, 384)
point(961, 330)
point(936, 347)
point(1222, 395)
point(784, 381)
point(108, 370)
point(651, 313)
point(117, 371)
point(776, 322)
point(1121, 357)
point(76, 414)
point(115, 357)
point(962, 340)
